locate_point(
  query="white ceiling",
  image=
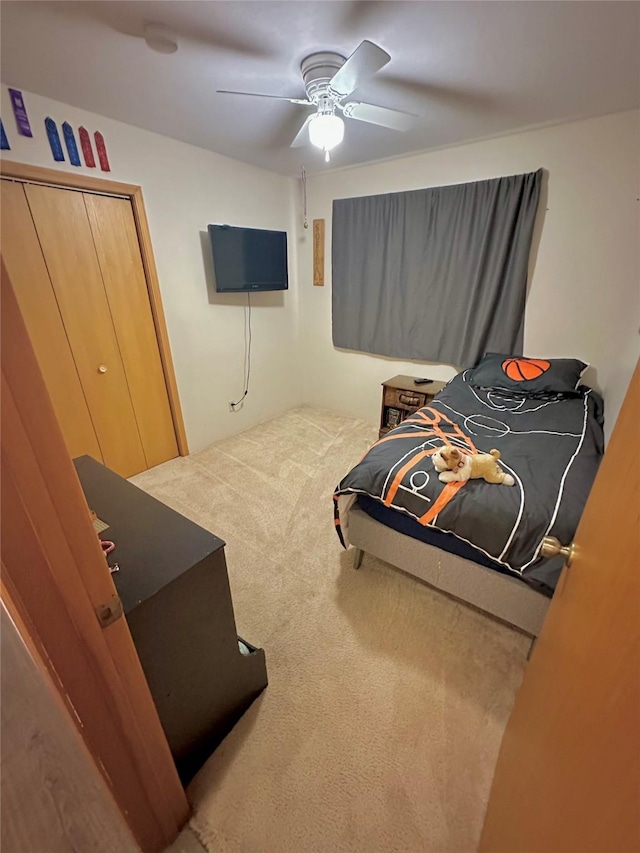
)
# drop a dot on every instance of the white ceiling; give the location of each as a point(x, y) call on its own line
point(468, 69)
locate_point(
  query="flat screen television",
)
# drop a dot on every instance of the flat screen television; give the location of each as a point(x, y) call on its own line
point(248, 259)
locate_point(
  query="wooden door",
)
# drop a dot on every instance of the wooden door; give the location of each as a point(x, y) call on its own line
point(116, 241)
point(55, 576)
point(26, 265)
point(568, 773)
point(80, 279)
point(61, 221)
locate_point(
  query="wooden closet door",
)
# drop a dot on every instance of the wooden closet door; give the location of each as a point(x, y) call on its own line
point(116, 241)
point(26, 266)
point(62, 224)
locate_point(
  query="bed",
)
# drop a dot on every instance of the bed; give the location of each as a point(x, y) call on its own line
point(477, 541)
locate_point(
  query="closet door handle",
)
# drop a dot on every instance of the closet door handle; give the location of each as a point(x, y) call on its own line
point(102, 368)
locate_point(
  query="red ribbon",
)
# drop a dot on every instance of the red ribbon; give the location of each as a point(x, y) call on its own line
point(102, 152)
point(87, 150)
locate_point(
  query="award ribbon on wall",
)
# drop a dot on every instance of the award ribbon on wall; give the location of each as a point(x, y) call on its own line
point(70, 141)
point(101, 148)
point(4, 142)
point(20, 112)
point(87, 150)
point(54, 139)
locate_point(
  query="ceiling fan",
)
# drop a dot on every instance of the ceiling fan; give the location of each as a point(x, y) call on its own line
point(329, 79)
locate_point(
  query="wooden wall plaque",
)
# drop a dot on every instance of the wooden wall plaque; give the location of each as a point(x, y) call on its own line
point(318, 252)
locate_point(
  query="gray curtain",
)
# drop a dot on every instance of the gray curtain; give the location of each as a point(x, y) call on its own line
point(437, 274)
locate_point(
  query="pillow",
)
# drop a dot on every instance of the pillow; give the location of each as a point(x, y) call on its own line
point(527, 375)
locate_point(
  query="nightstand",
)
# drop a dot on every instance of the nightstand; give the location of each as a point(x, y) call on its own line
point(401, 397)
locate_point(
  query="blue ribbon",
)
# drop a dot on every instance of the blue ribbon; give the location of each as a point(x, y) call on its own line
point(54, 139)
point(72, 148)
point(4, 142)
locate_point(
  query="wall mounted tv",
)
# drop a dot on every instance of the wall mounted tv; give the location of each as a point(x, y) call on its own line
point(248, 259)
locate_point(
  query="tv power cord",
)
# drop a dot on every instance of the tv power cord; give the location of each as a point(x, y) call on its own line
point(233, 407)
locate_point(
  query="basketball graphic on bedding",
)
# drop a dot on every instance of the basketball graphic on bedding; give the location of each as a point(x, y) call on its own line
point(521, 369)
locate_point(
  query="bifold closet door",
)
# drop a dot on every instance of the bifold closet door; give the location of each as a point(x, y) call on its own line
point(26, 266)
point(63, 229)
point(116, 241)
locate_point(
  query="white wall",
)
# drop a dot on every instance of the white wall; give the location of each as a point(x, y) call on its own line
point(185, 188)
point(584, 293)
point(584, 297)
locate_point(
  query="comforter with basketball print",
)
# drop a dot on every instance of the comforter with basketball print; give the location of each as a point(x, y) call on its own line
point(552, 446)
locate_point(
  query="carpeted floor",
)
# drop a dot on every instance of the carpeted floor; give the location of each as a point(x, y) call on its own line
point(380, 728)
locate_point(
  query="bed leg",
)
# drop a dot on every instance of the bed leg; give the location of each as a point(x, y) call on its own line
point(357, 558)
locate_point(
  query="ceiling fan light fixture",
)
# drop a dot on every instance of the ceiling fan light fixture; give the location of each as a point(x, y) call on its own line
point(329, 79)
point(326, 131)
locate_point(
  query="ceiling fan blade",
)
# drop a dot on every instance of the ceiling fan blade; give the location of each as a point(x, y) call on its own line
point(363, 63)
point(393, 119)
point(302, 136)
point(261, 95)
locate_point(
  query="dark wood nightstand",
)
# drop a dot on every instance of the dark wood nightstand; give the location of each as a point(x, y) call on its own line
point(401, 397)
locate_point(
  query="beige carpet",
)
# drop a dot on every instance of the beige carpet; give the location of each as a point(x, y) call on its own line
point(380, 728)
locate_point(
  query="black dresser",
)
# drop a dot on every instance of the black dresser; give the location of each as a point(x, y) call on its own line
point(175, 594)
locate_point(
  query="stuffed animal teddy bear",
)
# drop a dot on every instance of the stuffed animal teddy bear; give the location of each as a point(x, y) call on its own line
point(454, 464)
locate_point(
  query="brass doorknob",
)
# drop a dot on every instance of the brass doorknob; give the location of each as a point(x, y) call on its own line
point(552, 547)
point(102, 368)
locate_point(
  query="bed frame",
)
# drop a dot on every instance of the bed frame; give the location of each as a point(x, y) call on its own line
point(501, 596)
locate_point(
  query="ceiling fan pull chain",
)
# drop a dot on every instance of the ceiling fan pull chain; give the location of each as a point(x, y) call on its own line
point(303, 177)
